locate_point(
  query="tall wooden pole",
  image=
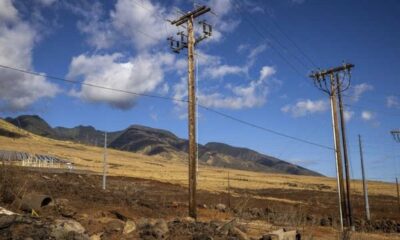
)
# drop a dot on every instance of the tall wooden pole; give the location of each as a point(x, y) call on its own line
point(338, 154)
point(105, 161)
point(176, 47)
point(398, 193)
point(192, 121)
point(349, 216)
point(365, 186)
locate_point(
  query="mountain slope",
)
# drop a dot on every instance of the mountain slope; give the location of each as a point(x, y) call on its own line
point(33, 124)
point(81, 134)
point(258, 158)
point(152, 141)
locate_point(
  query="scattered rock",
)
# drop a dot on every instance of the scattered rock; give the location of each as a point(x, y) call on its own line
point(129, 227)
point(153, 229)
point(189, 220)
point(96, 236)
point(67, 229)
point(114, 225)
point(225, 228)
point(119, 215)
point(235, 232)
point(282, 234)
point(7, 220)
point(45, 177)
point(221, 207)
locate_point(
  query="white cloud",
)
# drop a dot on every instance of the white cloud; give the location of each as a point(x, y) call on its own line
point(242, 47)
point(246, 96)
point(223, 70)
point(256, 51)
point(393, 102)
point(140, 21)
point(17, 40)
point(305, 107)
point(141, 74)
point(367, 115)
point(348, 115)
point(47, 2)
point(7, 11)
point(359, 89)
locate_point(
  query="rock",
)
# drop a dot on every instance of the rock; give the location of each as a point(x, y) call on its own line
point(7, 220)
point(257, 212)
point(225, 228)
point(68, 211)
point(68, 229)
point(282, 234)
point(150, 229)
point(114, 225)
point(119, 215)
point(221, 207)
point(96, 236)
point(45, 177)
point(129, 227)
point(202, 236)
point(4, 211)
point(235, 232)
point(189, 220)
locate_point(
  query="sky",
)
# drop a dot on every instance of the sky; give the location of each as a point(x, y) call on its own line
point(254, 67)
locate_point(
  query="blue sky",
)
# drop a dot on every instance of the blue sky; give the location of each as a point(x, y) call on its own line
point(254, 67)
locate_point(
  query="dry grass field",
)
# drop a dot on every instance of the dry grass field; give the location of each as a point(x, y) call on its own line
point(299, 202)
point(172, 170)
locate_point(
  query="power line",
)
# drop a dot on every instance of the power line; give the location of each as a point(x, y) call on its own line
point(171, 99)
point(238, 7)
point(265, 129)
point(291, 40)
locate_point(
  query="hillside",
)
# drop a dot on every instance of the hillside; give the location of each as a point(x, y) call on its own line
point(152, 141)
point(171, 170)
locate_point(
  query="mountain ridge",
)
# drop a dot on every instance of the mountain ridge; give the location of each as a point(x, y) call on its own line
point(153, 141)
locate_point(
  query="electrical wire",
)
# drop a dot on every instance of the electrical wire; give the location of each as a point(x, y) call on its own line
point(239, 7)
point(171, 99)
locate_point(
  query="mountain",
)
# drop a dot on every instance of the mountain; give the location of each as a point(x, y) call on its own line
point(82, 134)
point(153, 141)
point(274, 164)
point(33, 124)
point(148, 140)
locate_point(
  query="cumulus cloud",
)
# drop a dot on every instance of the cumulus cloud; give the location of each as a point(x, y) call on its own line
point(348, 115)
point(393, 102)
point(221, 71)
point(304, 107)
point(141, 22)
point(141, 74)
point(256, 51)
point(250, 95)
point(359, 89)
point(17, 40)
point(367, 115)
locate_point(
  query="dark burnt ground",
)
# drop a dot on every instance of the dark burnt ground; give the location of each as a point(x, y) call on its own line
point(136, 198)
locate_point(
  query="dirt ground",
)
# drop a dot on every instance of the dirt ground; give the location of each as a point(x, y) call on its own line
point(79, 196)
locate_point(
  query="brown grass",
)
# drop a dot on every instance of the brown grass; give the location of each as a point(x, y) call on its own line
point(172, 170)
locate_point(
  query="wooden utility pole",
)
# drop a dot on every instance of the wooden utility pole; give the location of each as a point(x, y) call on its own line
point(396, 135)
point(345, 156)
point(332, 87)
point(398, 193)
point(189, 41)
point(365, 186)
point(105, 161)
point(338, 153)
